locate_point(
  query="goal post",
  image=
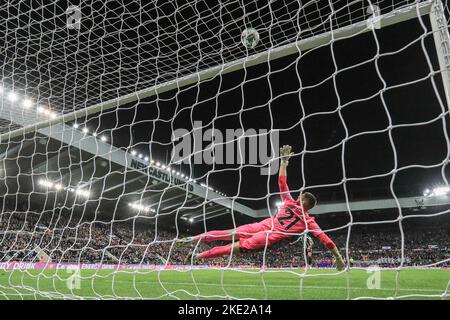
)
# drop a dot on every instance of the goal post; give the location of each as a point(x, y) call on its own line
point(439, 27)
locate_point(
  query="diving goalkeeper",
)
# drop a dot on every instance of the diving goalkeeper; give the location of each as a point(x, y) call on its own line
point(291, 219)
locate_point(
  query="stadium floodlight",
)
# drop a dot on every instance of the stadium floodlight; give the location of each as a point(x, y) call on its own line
point(58, 186)
point(94, 134)
point(81, 192)
point(152, 161)
point(103, 138)
point(191, 220)
point(133, 152)
point(12, 96)
point(45, 183)
point(278, 204)
point(53, 115)
point(146, 158)
point(141, 207)
point(85, 130)
point(440, 191)
point(206, 186)
point(27, 103)
point(158, 164)
point(76, 125)
point(140, 156)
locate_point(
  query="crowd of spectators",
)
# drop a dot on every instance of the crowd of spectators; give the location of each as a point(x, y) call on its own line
point(26, 237)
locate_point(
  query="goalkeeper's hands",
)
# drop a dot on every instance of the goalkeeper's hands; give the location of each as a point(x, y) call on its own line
point(338, 261)
point(340, 264)
point(309, 242)
point(286, 154)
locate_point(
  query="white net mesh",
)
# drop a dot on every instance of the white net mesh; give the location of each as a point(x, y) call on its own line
point(129, 125)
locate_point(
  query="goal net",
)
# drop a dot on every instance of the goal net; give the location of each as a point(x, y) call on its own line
point(127, 126)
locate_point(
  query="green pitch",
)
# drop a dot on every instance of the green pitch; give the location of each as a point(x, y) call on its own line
point(216, 284)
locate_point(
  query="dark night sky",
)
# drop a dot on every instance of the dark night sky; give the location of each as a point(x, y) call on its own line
point(259, 99)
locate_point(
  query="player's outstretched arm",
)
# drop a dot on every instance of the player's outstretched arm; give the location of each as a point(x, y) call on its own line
point(327, 242)
point(285, 154)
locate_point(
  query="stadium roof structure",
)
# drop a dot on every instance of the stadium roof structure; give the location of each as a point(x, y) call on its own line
point(63, 166)
point(63, 158)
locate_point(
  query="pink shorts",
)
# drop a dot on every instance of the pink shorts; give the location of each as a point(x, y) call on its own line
point(256, 236)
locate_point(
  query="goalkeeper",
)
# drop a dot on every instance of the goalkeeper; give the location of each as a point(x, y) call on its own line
point(291, 219)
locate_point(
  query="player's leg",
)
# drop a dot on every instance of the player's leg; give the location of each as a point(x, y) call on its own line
point(215, 235)
point(254, 242)
point(215, 252)
point(207, 237)
point(261, 240)
point(224, 235)
point(241, 233)
point(245, 230)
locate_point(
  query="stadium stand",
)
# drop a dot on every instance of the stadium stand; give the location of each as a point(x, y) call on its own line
point(71, 240)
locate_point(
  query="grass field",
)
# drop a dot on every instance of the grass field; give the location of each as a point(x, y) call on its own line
point(207, 284)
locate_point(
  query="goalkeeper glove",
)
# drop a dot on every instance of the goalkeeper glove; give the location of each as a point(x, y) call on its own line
point(285, 154)
point(340, 264)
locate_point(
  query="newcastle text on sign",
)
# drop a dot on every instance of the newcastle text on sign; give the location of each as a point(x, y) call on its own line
point(163, 175)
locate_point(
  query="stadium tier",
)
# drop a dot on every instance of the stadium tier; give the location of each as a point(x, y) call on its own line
point(89, 242)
